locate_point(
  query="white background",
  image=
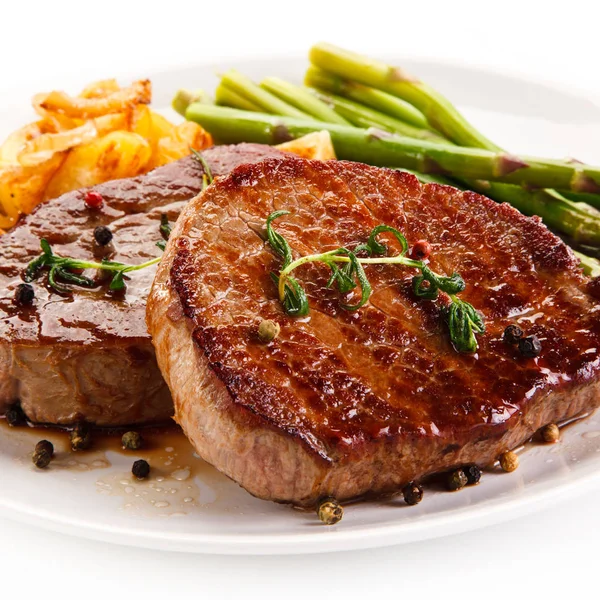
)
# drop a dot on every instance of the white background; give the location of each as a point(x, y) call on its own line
point(550, 554)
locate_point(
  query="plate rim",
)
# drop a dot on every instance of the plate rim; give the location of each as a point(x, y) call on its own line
point(320, 541)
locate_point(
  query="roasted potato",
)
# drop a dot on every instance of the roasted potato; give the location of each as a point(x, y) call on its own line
point(141, 122)
point(100, 89)
point(12, 147)
point(90, 107)
point(44, 146)
point(178, 143)
point(114, 156)
point(23, 188)
point(161, 127)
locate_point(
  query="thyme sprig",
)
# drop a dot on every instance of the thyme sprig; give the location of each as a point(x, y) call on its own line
point(165, 231)
point(207, 176)
point(347, 272)
point(61, 268)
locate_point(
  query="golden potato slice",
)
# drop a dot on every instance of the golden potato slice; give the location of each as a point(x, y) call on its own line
point(16, 141)
point(32, 146)
point(115, 156)
point(22, 188)
point(161, 127)
point(140, 92)
point(141, 122)
point(108, 123)
point(100, 89)
point(315, 146)
point(54, 121)
point(177, 145)
point(42, 147)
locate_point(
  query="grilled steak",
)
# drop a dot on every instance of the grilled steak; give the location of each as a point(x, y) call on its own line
point(346, 403)
point(88, 356)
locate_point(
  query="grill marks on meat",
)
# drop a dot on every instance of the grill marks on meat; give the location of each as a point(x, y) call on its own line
point(344, 402)
point(88, 355)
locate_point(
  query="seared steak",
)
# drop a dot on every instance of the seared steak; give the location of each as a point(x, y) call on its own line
point(88, 355)
point(346, 403)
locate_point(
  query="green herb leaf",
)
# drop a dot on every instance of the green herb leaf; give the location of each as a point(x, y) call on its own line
point(451, 285)
point(295, 302)
point(342, 277)
point(74, 278)
point(426, 284)
point(277, 241)
point(117, 283)
point(365, 286)
point(375, 247)
point(165, 228)
point(34, 268)
point(463, 323)
point(46, 248)
point(59, 287)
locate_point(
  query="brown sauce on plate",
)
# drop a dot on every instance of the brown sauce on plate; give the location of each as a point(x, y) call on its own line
point(178, 481)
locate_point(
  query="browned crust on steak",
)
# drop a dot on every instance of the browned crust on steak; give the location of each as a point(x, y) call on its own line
point(346, 403)
point(89, 355)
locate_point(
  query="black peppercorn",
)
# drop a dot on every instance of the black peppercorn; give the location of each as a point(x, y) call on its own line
point(456, 480)
point(132, 440)
point(45, 446)
point(473, 473)
point(530, 347)
point(24, 294)
point(15, 416)
point(81, 438)
point(512, 334)
point(103, 235)
point(413, 493)
point(41, 459)
point(140, 469)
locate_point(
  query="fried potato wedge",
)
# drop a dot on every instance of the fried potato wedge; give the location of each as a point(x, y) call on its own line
point(108, 123)
point(315, 146)
point(16, 141)
point(23, 188)
point(141, 122)
point(54, 121)
point(161, 127)
point(177, 144)
point(100, 89)
point(140, 92)
point(114, 156)
point(41, 148)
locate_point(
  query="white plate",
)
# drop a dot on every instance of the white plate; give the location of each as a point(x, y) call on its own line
point(99, 500)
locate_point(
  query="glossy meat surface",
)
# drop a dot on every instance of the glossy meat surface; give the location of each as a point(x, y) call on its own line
point(374, 398)
point(88, 355)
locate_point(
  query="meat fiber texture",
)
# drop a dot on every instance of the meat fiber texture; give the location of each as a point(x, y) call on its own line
point(350, 403)
point(87, 356)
